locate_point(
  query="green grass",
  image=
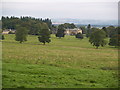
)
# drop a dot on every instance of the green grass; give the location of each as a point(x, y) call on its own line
point(63, 63)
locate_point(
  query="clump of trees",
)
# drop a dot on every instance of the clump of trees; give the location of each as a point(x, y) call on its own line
point(97, 36)
point(28, 25)
point(68, 25)
point(32, 24)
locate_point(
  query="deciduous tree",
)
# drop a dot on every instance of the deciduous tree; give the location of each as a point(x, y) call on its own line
point(97, 38)
point(115, 38)
point(44, 34)
point(60, 33)
point(21, 34)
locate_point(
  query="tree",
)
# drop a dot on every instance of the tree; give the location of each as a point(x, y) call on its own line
point(44, 34)
point(3, 37)
point(48, 22)
point(105, 29)
point(115, 37)
point(79, 35)
point(97, 38)
point(88, 31)
point(83, 29)
point(111, 30)
point(114, 40)
point(60, 32)
point(21, 34)
point(54, 29)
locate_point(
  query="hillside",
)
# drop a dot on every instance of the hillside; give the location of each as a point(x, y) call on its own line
point(63, 63)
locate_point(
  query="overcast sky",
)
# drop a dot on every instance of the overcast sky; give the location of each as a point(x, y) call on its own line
point(78, 9)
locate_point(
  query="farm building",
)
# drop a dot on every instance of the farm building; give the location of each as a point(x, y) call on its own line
point(73, 31)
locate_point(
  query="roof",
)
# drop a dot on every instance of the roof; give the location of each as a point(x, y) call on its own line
point(74, 29)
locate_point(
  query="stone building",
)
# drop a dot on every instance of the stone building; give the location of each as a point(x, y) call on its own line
point(73, 31)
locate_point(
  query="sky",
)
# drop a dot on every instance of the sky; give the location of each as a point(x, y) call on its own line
point(76, 9)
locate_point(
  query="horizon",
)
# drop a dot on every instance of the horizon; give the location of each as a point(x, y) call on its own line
point(76, 21)
point(68, 11)
point(61, 9)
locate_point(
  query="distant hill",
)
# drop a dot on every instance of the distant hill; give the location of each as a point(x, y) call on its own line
point(85, 22)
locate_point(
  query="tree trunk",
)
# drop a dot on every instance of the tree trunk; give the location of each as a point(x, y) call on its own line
point(43, 43)
point(96, 47)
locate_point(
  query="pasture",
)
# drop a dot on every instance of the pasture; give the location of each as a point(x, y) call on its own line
point(64, 63)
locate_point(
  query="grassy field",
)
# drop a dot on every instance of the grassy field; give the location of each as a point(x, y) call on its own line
point(63, 63)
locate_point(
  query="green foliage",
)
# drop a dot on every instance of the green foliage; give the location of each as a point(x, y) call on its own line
point(79, 35)
point(97, 38)
point(10, 23)
point(60, 32)
point(83, 28)
point(2, 37)
point(115, 38)
point(68, 25)
point(0, 31)
point(88, 33)
point(32, 24)
point(106, 31)
point(48, 22)
point(21, 34)
point(44, 34)
point(111, 30)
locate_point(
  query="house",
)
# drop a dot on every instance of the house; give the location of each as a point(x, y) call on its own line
point(8, 31)
point(5, 32)
point(73, 31)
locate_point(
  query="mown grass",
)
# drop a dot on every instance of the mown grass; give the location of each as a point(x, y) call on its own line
point(63, 63)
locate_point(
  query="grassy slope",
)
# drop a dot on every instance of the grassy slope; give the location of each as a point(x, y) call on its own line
point(66, 62)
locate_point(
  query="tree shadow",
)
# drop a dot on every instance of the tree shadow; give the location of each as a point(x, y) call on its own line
point(22, 43)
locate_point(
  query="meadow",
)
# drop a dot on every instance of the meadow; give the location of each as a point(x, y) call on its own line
point(64, 63)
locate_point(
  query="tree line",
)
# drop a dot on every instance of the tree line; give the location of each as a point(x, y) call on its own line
point(32, 24)
point(43, 28)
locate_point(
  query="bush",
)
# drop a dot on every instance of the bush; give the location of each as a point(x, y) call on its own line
point(79, 35)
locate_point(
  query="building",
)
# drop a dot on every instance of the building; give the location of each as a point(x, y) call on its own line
point(8, 31)
point(5, 32)
point(73, 31)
